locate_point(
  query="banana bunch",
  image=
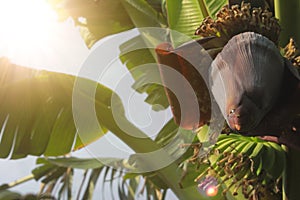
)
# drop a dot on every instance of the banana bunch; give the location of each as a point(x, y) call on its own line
point(246, 166)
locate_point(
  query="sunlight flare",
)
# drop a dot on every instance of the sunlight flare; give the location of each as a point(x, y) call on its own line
point(27, 26)
point(25, 22)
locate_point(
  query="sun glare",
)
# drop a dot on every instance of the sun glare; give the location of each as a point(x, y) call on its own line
point(25, 25)
point(212, 191)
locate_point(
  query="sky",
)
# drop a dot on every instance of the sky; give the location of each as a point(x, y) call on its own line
point(44, 43)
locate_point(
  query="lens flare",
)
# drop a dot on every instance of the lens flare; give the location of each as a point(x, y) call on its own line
point(208, 186)
point(212, 191)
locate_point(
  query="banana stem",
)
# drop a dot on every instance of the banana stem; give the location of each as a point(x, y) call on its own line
point(291, 176)
point(288, 13)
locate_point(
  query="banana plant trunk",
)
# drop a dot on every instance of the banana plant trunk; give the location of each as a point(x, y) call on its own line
point(288, 12)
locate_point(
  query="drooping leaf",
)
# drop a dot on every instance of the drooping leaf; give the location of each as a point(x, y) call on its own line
point(146, 77)
point(38, 109)
point(36, 112)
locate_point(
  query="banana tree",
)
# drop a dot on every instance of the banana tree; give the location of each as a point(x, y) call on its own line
point(241, 167)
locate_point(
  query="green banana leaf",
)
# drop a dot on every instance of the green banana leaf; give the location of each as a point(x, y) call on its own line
point(36, 112)
point(134, 59)
point(185, 16)
point(38, 118)
point(144, 13)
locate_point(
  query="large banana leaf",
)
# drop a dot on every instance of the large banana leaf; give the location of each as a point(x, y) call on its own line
point(36, 112)
point(37, 115)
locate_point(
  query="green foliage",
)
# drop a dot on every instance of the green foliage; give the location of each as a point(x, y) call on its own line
point(263, 154)
point(58, 173)
point(180, 16)
point(94, 17)
point(134, 59)
point(144, 13)
point(43, 118)
point(245, 165)
point(184, 16)
point(36, 113)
